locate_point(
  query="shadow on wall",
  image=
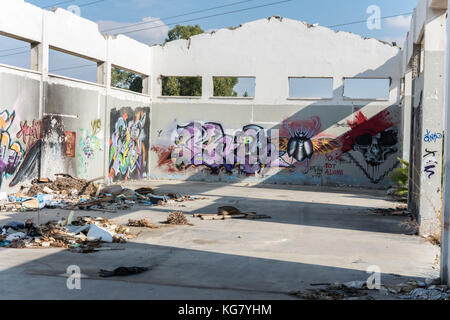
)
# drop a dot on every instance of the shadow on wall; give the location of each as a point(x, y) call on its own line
point(358, 145)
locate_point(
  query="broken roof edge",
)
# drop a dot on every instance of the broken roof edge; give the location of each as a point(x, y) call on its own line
point(269, 19)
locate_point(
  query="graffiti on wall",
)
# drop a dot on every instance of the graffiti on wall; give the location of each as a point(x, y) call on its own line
point(432, 136)
point(372, 144)
point(31, 135)
point(129, 140)
point(90, 142)
point(369, 144)
point(430, 162)
point(70, 144)
point(249, 150)
point(11, 151)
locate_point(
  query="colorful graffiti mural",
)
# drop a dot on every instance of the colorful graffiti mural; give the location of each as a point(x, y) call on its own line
point(90, 143)
point(11, 152)
point(248, 150)
point(31, 135)
point(129, 141)
point(370, 144)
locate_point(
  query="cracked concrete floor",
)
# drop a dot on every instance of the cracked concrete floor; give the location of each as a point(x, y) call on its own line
point(316, 235)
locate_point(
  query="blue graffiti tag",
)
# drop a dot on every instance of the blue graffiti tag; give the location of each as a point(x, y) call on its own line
point(432, 137)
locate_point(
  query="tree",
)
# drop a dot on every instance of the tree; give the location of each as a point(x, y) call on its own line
point(126, 80)
point(183, 32)
point(192, 86)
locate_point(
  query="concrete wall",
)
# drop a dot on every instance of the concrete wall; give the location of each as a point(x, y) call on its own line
point(424, 54)
point(91, 130)
point(19, 110)
point(272, 50)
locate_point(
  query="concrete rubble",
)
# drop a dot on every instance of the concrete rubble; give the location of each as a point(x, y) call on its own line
point(83, 234)
point(430, 289)
point(71, 193)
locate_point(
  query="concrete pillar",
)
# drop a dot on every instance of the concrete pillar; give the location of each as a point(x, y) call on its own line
point(40, 58)
point(445, 240)
point(406, 118)
point(431, 131)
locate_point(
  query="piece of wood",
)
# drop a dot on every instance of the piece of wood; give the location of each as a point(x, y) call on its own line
point(257, 216)
point(212, 217)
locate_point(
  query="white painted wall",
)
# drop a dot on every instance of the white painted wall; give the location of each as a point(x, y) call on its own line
point(272, 50)
point(63, 30)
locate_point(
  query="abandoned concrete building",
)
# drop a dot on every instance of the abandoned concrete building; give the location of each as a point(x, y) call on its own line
point(340, 135)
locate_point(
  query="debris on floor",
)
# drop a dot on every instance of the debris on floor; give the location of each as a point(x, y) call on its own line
point(143, 223)
point(334, 291)
point(230, 212)
point(355, 290)
point(397, 211)
point(177, 218)
point(70, 193)
point(83, 234)
point(122, 271)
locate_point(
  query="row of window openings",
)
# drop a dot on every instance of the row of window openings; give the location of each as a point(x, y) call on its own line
point(64, 64)
point(299, 87)
point(18, 53)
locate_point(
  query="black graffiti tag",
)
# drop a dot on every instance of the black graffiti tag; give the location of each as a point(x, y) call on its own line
point(431, 163)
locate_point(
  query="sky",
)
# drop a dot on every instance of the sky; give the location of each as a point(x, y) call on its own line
point(111, 14)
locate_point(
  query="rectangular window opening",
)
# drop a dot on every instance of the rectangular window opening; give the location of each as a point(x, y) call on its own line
point(234, 87)
point(180, 86)
point(310, 88)
point(127, 80)
point(72, 66)
point(367, 88)
point(15, 52)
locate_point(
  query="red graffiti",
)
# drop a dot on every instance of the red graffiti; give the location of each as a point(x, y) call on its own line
point(164, 158)
point(29, 134)
point(361, 125)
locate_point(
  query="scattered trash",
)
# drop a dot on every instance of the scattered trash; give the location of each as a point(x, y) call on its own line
point(83, 234)
point(334, 291)
point(230, 212)
point(98, 233)
point(71, 193)
point(141, 223)
point(397, 211)
point(122, 271)
point(430, 289)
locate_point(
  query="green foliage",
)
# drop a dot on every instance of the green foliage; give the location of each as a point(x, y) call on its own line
point(223, 86)
point(183, 32)
point(181, 86)
point(126, 80)
point(400, 177)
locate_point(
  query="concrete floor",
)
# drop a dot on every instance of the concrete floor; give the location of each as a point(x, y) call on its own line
point(316, 235)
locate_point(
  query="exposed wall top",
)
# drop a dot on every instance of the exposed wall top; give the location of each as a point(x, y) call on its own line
point(426, 13)
point(68, 32)
point(274, 49)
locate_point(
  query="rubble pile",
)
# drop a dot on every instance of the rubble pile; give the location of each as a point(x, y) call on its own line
point(64, 184)
point(83, 234)
point(336, 291)
point(70, 193)
point(411, 290)
point(177, 217)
